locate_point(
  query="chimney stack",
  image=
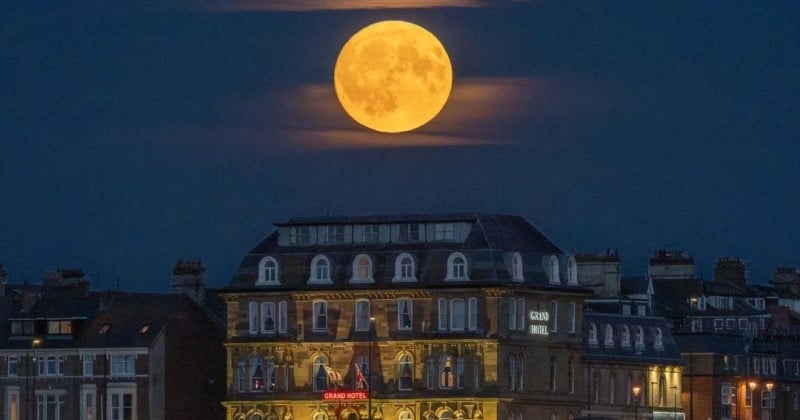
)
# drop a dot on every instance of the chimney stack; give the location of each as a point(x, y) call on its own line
point(729, 270)
point(189, 277)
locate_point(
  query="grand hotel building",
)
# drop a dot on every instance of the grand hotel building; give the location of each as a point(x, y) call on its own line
point(453, 316)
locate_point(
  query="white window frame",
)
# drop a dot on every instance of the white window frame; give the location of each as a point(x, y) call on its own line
point(512, 314)
point(362, 318)
point(472, 314)
point(283, 316)
point(572, 315)
point(409, 232)
point(409, 305)
point(362, 269)
point(404, 272)
point(88, 364)
point(268, 308)
point(592, 334)
point(42, 410)
point(122, 365)
point(405, 360)
point(320, 274)
point(444, 232)
point(88, 402)
point(252, 317)
point(334, 234)
point(13, 406)
point(552, 270)
point(517, 267)
point(658, 339)
point(625, 335)
point(608, 340)
point(120, 391)
point(458, 314)
point(315, 312)
point(299, 235)
point(50, 365)
point(572, 271)
point(553, 316)
point(442, 309)
point(457, 271)
point(268, 275)
point(638, 336)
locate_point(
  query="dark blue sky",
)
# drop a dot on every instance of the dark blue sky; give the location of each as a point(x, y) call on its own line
point(130, 138)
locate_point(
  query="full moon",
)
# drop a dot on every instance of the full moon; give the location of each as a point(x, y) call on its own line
point(393, 76)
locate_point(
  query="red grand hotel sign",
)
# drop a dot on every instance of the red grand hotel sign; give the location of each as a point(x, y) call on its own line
point(344, 394)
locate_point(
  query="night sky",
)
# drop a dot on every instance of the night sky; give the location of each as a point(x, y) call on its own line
point(134, 134)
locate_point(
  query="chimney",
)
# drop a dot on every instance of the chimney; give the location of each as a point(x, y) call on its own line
point(189, 277)
point(600, 272)
point(784, 277)
point(671, 264)
point(730, 271)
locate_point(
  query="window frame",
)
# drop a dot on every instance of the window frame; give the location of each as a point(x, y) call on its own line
point(362, 319)
point(321, 268)
point(401, 312)
point(321, 314)
point(457, 271)
point(268, 275)
point(363, 269)
point(268, 308)
point(404, 272)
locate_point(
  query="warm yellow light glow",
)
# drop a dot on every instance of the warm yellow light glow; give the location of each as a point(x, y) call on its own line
point(769, 386)
point(752, 385)
point(636, 391)
point(393, 76)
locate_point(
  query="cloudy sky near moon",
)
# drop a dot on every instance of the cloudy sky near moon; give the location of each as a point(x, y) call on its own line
point(136, 135)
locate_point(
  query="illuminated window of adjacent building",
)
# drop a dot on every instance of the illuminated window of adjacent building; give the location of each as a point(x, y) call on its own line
point(362, 315)
point(362, 269)
point(404, 268)
point(283, 320)
point(553, 316)
point(512, 314)
point(516, 267)
point(457, 267)
point(405, 372)
point(320, 270)
point(446, 371)
point(299, 235)
point(256, 374)
point(430, 373)
point(320, 316)
point(553, 379)
point(267, 271)
point(571, 375)
point(552, 270)
point(268, 317)
point(61, 327)
point(592, 334)
point(472, 314)
point(442, 314)
point(571, 317)
point(405, 312)
point(252, 316)
point(443, 232)
point(457, 315)
point(319, 373)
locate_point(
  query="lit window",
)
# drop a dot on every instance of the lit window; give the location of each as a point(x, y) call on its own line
point(267, 271)
point(457, 267)
point(320, 270)
point(103, 329)
point(457, 315)
point(516, 267)
point(268, 317)
point(59, 327)
point(320, 373)
point(405, 415)
point(404, 314)
point(446, 373)
point(362, 269)
point(405, 372)
point(256, 374)
point(404, 268)
point(362, 315)
point(320, 316)
point(144, 329)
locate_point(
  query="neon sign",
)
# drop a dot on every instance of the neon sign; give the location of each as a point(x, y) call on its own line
point(345, 395)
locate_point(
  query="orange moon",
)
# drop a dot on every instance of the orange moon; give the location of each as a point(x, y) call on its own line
point(393, 76)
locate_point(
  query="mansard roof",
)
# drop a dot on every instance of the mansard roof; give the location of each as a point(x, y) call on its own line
point(669, 353)
point(488, 245)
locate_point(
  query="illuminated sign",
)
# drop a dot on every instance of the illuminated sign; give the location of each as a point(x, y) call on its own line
point(345, 394)
point(539, 316)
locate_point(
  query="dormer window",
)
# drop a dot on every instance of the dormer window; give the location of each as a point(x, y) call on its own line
point(516, 267)
point(320, 270)
point(639, 337)
point(104, 329)
point(443, 232)
point(572, 272)
point(362, 269)
point(333, 234)
point(267, 271)
point(457, 267)
point(626, 336)
point(609, 341)
point(404, 268)
point(299, 235)
point(552, 270)
point(658, 339)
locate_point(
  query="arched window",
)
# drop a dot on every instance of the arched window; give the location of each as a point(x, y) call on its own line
point(639, 337)
point(405, 372)
point(552, 270)
point(626, 336)
point(320, 316)
point(662, 390)
point(658, 339)
point(516, 267)
point(405, 415)
point(572, 272)
point(609, 341)
point(283, 314)
point(255, 416)
point(472, 314)
point(446, 371)
point(404, 268)
point(256, 374)
point(320, 416)
point(592, 334)
point(446, 415)
point(319, 373)
point(405, 313)
point(320, 270)
point(457, 267)
point(362, 269)
point(457, 315)
point(267, 271)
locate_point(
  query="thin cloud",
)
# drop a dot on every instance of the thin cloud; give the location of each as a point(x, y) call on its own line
point(311, 5)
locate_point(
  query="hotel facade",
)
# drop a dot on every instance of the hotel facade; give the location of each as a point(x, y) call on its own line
point(454, 316)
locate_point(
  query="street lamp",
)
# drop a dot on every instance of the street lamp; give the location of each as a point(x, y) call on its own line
point(369, 373)
point(752, 385)
point(32, 396)
point(636, 390)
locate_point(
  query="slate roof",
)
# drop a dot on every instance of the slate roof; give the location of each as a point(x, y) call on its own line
point(488, 247)
point(669, 354)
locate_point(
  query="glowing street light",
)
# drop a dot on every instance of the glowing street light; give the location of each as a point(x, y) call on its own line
point(636, 390)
